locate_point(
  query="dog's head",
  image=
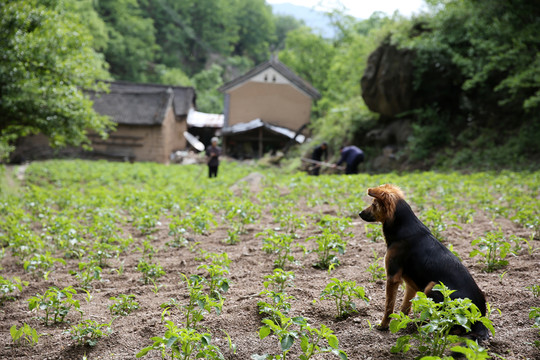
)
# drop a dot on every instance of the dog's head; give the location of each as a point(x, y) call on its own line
point(383, 207)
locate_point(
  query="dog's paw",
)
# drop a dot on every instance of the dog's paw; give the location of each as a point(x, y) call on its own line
point(380, 327)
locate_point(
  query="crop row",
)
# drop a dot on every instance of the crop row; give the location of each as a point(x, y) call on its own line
point(85, 212)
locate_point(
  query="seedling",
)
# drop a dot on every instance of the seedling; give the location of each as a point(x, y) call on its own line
point(179, 235)
point(217, 282)
point(434, 321)
point(183, 343)
point(40, 264)
point(56, 303)
point(232, 236)
point(287, 220)
point(535, 289)
point(88, 332)
point(146, 221)
point(328, 244)
point(123, 305)
point(279, 245)
point(151, 272)
point(377, 271)
point(471, 350)
point(221, 259)
point(87, 273)
point(283, 329)
point(336, 225)
point(534, 314)
point(279, 280)
point(434, 220)
point(311, 338)
point(8, 286)
point(103, 251)
point(147, 250)
point(24, 334)
point(240, 215)
point(493, 248)
point(277, 303)
point(374, 232)
point(343, 293)
point(199, 303)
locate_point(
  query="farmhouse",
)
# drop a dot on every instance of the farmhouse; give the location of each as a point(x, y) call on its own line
point(151, 120)
point(265, 109)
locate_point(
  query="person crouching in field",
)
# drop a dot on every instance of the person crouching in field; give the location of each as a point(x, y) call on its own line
point(352, 156)
point(320, 153)
point(212, 154)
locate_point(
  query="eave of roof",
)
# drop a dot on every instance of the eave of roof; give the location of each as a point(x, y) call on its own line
point(279, 67)
point(184, 96)
point(134, 108)
point(258, 123)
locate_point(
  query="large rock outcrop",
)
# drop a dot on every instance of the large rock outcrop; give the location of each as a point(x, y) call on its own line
point(387, 82)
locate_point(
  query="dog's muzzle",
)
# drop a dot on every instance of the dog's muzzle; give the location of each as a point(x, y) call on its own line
point(367, 216)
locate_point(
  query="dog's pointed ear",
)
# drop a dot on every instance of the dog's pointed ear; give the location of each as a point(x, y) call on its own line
point(375, 193)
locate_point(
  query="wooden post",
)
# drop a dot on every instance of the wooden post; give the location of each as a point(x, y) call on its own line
point(260, 142)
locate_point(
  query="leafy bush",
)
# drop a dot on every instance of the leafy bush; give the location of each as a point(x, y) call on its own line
point(434, 322)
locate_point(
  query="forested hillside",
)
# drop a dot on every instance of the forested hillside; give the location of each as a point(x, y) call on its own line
point(475, 72)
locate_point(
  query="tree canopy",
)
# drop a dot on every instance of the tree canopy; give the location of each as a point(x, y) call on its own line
point(476, 65)
point(46, 60)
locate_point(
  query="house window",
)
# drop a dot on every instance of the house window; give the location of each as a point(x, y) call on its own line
point(265, 77)
point(274, 78)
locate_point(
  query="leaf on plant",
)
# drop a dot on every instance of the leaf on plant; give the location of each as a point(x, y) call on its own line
point(264, 332)
point(287, 342)
point(333, 341)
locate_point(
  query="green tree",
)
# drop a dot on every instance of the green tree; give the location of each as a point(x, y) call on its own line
point(191, 32)
point(256, 29)
point(46, 61)
point(284, 24)
point(209, 99)
point(131, 46)
point(477, 79)
point(309, 56)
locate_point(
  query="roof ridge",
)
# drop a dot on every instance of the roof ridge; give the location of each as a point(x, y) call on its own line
point(279, 67)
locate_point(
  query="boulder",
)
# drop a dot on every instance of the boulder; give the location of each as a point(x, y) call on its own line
point(387, 82)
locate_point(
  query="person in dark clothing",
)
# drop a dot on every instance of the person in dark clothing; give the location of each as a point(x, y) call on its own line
point(352, 156)
point(318, 154)
point(212, 153)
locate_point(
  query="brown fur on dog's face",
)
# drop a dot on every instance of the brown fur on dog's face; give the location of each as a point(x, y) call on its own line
point(385, 198)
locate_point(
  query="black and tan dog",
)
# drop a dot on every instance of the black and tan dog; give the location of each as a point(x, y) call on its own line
point(414, 255)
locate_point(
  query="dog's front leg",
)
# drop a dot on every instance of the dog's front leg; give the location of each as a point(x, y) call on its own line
point(392, 285)
point(410, 292)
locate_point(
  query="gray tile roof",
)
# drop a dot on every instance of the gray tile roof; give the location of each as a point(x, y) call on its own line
point(142, 104)
point(279, 67)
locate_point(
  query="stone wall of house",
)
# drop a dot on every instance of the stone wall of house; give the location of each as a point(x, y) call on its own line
point(144, 143)
point(278, 104)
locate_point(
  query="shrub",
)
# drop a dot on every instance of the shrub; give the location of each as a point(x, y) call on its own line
point(434, 321)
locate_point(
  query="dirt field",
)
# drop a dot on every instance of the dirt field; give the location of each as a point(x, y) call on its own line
point(240, 318)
